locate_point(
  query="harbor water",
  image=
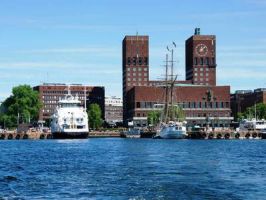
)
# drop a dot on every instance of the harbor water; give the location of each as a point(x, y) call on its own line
point(115, 168)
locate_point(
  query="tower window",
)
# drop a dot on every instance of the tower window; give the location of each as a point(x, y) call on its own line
point(129, 61)
point(195, 61)
point(201, 61)
point(134, 60)
point(140, 61)
point(207, 61)
point(146, 61)
point(213, 61)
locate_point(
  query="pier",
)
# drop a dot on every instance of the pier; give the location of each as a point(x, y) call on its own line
point(35, 135)
point(225, 135)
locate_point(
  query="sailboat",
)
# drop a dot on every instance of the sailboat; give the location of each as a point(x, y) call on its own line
point(170, 127)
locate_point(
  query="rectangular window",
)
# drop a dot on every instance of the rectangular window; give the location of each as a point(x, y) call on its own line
point(140, 79)
point(134, 74)
point(213, 61)
point(195, 74)
point(128, 79)
point(195, 61)
point(207, 61)
point(145, 79)
point(207, 69)
point(128, 69)
point(145, 69)
point(201, 74)
point(201, 61)
point(134, 60)
point(139, 74)
point(139, 68)
point(129, 61)
point(134, 69)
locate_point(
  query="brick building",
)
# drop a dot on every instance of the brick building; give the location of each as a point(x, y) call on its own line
point(135, 64)
point(242, 99)
point(50, 93)
point(198, 95)
point(201, 59)
point(113, 110)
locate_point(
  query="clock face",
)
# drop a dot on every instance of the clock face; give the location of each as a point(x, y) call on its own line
point(201, 49)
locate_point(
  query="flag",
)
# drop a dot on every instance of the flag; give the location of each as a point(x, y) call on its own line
point(174, 44)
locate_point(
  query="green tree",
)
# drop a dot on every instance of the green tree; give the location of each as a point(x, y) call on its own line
point(153, 117)
point(24, 102)
point(94, 113)
point(179, 113)
point(250, 112)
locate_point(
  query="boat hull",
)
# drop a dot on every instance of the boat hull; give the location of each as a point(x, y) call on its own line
point(173, 135)
point(70, 135)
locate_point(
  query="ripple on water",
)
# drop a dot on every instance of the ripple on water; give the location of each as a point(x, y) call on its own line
point(132, 169)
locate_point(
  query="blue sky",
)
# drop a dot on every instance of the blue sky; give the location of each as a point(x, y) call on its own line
point(80, 41)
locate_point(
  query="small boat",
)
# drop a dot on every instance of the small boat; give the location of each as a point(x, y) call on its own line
point(173, 130)
point(131, 133)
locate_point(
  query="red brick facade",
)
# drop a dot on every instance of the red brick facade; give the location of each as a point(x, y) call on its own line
point(195, 101)
point(140, 96)
point(51, 93)
point(201, 59)
point(242, 99)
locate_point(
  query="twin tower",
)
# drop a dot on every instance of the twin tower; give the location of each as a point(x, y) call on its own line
point(200, 71)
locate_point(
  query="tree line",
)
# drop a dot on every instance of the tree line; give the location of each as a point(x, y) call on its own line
point(257, 111)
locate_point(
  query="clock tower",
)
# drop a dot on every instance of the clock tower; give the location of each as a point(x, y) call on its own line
point(201, 59)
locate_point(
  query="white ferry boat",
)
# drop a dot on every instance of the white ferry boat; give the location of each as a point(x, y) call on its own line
point(70, 120)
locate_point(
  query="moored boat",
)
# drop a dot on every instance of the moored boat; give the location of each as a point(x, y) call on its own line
point(70, 119)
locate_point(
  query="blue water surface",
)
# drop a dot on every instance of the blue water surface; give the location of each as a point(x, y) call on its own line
point(115, 168)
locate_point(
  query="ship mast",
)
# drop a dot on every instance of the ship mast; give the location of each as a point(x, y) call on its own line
point(172, 117)
point(166, 109)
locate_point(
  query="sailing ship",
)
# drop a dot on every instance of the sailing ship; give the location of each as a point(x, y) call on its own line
point(70, 119)
point(170, 127)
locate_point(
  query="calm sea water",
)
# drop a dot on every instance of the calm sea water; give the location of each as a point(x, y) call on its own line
point(133, 169)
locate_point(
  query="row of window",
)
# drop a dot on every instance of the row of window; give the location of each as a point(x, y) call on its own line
point(186, 104)
point(137, 61)
point(201, 79)
point(50, 97)
point(135, 74)
point(201, 69)
point(135, 79)
point(134, 69)
point(201, 74)
point(204, 61)
point(216, 114)
point(63, 92)
point(136, 84)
